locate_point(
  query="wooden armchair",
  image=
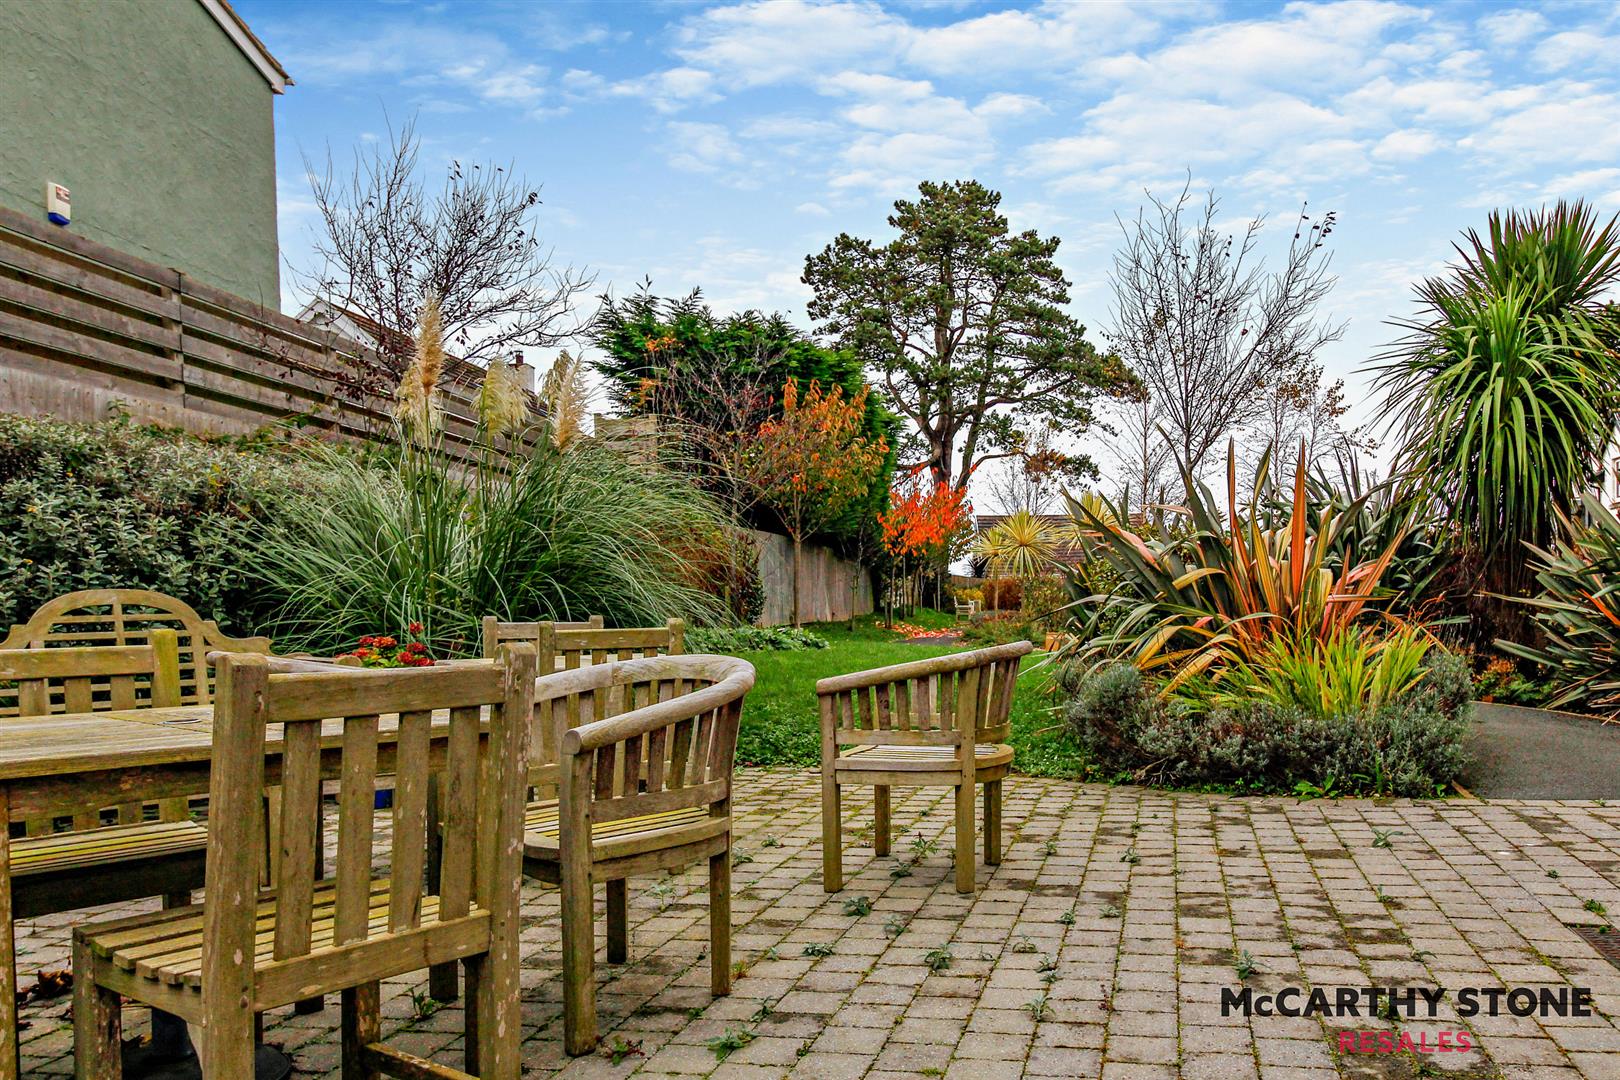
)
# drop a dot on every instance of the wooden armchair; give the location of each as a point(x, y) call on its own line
point(91, 864)
point(642, 752)
point(242, 951)
point(940, 722)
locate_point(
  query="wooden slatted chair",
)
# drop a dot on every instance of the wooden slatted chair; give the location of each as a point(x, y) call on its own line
point(497, 633)
point(565, 646)
point(242, 951)
point(642, 753)
point(54, 870)
point(941, 722)
point(558, 647)
point(104, 617)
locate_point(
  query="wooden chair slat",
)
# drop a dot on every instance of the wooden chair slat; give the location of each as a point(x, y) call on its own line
point(460, 819)
point(410, 820)
point(297, 831)
point(356, 826)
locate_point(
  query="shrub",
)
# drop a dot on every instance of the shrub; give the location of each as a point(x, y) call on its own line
point(1002, 594)
point(1045, 600)
point(1412, 744)
point(114, 505)
point(1579, 613)
point(1001, 628)
point(732, 640)
point(1194, 604)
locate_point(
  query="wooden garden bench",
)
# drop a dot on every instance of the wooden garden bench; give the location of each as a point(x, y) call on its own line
point(941, 722)
point(92, 864)
point(641, 752)
point(103, 617)
point(242, 951)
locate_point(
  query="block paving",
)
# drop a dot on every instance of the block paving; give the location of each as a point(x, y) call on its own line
point(1098, 948)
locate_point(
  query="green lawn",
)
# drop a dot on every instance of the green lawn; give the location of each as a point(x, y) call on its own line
point(780, 726)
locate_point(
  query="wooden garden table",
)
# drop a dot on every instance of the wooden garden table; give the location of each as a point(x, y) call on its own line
point(54, 766)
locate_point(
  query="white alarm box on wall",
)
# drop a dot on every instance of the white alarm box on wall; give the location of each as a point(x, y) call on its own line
point(58, 203)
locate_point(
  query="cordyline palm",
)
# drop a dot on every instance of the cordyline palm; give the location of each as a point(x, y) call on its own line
point(1023, 545)
point(1507, 388)
point(1240, 580)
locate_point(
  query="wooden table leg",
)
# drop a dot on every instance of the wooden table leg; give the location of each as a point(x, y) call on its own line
point(9, 1066)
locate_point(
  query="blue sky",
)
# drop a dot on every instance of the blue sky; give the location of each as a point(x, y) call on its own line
point(717, 145)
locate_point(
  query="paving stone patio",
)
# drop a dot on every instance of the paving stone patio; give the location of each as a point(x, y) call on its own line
point(1117, 915)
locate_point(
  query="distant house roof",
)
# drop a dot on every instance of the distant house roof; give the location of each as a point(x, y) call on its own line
point(252, 48)
point(357, 327)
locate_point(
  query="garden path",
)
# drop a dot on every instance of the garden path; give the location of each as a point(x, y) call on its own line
point(1146, 902)
point(1533, 754)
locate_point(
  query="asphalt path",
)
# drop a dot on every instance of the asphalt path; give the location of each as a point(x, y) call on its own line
point(1534, 754)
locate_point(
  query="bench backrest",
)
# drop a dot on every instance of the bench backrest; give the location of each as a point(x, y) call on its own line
point(381, 722)
point(955, 700)
point(497, 633)
point(564, 646)
point(638, 737)
point(78, 679)
point(113, 617)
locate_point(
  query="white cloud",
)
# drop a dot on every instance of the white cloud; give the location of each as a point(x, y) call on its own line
point(774, 41)
point(1576, 49)
point(1405, 145)
point(814, 209)
point(1513, 27)
point(696, 147)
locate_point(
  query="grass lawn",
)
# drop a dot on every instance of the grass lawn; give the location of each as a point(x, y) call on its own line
point(780, 725)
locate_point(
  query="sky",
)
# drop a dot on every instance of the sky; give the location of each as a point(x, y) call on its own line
point(714, 146)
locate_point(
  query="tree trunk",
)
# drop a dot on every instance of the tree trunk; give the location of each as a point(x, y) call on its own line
point(796, 546)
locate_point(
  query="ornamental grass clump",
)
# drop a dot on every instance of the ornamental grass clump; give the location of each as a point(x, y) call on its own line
point(532, 532)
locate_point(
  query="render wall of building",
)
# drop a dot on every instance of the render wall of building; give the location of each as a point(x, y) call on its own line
point(158, 124)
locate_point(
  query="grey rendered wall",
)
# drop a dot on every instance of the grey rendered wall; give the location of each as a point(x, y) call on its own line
point(158, 124)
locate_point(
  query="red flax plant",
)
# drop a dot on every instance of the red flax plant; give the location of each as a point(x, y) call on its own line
point(812, 463)
point(1239, 582)
point(925, 522)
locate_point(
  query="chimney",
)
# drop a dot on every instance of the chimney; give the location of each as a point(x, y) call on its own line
point(524, 371)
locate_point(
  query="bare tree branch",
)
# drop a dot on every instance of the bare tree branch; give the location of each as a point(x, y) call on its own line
point(474, 245)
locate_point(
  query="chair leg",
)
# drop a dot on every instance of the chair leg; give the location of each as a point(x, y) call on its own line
point(880, 813)
point(494, 1020)
point(965, 855)
point(97, 1024)
point(618, 921)
point(720, 923)
point(992, 823)
point(441, 978)
point(361, 1026)
point(832, 853)
point(579, 966)
point(227, 1048)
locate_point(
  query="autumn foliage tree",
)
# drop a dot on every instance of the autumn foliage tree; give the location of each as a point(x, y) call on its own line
point(812, 463)
point(927, 520)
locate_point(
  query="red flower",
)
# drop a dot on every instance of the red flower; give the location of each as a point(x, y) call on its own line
point(385, 642)
point(415, 628)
